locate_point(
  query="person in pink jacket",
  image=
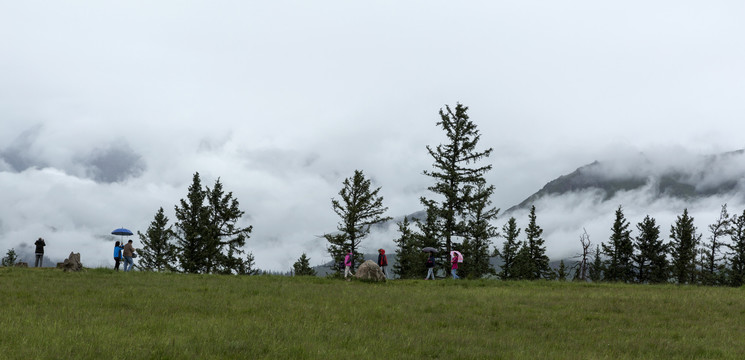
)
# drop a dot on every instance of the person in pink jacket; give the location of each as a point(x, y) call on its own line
point(348, 264)
point(454, 268)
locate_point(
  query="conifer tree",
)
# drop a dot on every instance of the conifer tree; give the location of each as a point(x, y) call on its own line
point(359, 208)
point(158, 253)
point(409, 256)
point(455, 172)
point(510, 248)
point(537, 248)
point(209, 239)
point(478, 234)
point(596, 268)
point(302, 267)
point(684, 242)
point(737, 250)
point(429, 235)
point(337, 252)
point(10, 258)
point(651, 259)
point(227, 236)
point(192, 229)
point(561, 273)
point(619, 251)
point(712, 268)
point(524, 267)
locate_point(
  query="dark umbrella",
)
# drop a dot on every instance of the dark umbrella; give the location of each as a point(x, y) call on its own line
point(429, 249)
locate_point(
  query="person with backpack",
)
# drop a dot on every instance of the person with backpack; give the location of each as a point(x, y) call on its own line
point(430, 266)
point(348, 264)
point(382, 261)
point(117, 255)
point(40, 244)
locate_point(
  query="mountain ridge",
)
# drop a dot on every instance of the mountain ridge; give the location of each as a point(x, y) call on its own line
point(663, 179)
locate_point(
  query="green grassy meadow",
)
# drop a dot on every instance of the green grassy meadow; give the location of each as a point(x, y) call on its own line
point(102, 314)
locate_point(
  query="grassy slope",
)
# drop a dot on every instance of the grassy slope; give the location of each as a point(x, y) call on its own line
point(47, 314)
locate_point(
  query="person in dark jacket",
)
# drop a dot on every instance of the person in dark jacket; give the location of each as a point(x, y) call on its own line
point(382, 261)
point(430, 266)
point(40, 244)
point(117, 255)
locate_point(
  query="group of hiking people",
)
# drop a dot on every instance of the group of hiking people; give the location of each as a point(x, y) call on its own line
point(127, 254)
point(383, 263)
point(124, 252)
point(455, 259)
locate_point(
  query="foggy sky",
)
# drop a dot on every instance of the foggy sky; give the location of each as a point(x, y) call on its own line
point(108, 108)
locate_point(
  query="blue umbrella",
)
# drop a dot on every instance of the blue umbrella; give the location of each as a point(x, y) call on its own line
point(122, 231)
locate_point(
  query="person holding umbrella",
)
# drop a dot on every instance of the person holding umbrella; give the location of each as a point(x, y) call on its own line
point(430, 266)
point(454, 267)
point(128, 263)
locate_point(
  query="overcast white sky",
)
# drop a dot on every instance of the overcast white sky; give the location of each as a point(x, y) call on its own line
point(107, 108)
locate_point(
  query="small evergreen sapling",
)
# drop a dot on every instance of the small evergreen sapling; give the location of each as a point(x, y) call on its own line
point(10, 258)
point(302, 266)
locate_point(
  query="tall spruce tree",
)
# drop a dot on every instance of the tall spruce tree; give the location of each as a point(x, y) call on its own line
point(737, 250)
point(158, 252)
point(478, 234)
point(510, 248)
point(302, 266)
point(409, 257)
point(360, 208)
point(227, 236)
point(192, 229)
point(683, 248)
point(650, 260)
point(712, 267)
point(455, 172)
point(537, 249)
point(209, 239)
point(618, 266)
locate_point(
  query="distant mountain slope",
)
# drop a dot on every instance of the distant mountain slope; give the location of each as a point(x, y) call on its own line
point(680, 177)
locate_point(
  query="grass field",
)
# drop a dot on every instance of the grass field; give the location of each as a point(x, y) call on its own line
point(102, 314)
